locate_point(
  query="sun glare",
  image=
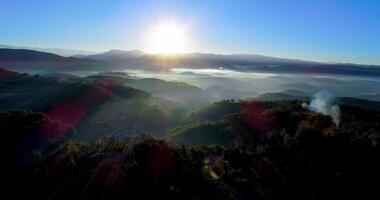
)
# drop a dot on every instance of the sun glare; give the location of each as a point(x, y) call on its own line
point(167, 38)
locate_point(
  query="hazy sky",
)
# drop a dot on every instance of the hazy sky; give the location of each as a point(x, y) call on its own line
point(325, 30)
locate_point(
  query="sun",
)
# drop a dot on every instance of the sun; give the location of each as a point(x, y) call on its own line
point(167, 38)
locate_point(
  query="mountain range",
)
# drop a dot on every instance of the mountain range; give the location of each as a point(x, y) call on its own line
point(58, 51)
point(135, 59)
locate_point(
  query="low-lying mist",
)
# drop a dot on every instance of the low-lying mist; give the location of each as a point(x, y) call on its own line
point(248, 84)
point(229, 84)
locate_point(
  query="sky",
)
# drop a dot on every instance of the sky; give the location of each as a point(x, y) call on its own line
point(320, 30)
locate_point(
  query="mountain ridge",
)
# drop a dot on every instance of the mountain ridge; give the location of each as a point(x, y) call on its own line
point(58, 51)
point(136, 59)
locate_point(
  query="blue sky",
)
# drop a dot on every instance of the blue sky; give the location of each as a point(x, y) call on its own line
point(324, 30)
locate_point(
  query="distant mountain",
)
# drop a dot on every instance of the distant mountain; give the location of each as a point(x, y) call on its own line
point(136, 59)
point(139, 59)
point(58, 51)
point(30, 55)
point(115, 55)
point(30, 60)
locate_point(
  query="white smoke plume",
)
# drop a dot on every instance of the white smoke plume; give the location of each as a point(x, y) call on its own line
point(323, 102)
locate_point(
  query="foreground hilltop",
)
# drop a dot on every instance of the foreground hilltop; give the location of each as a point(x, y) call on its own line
point(231, 150)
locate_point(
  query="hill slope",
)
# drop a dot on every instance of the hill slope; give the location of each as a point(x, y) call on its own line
point(30, 60)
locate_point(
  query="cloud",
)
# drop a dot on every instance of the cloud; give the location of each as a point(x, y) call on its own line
point(323, 102)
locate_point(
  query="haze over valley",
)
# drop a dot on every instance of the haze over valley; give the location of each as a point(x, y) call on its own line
point(220, 76)
point(162, 99)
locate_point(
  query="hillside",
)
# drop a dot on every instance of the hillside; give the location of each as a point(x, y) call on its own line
point(104, 136)
point(297, 95)
point(57, 51)
point(228, 122)
point(179, 92)
point(31, 60)
point(291, 153)
point(95, 108)
point(189, 100)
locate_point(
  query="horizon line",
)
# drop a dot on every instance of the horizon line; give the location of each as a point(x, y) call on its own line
point(98, 51)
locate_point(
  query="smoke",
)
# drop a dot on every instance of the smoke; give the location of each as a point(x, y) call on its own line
point(323, 102)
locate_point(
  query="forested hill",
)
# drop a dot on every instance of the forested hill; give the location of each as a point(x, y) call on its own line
point(68, 137)
point(95, 108)
point(234, 150)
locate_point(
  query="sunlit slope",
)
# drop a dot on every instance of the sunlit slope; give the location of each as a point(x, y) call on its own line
point(95, 108)
point(230, 122)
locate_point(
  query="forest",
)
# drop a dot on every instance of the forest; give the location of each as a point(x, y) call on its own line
point(114, 136)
